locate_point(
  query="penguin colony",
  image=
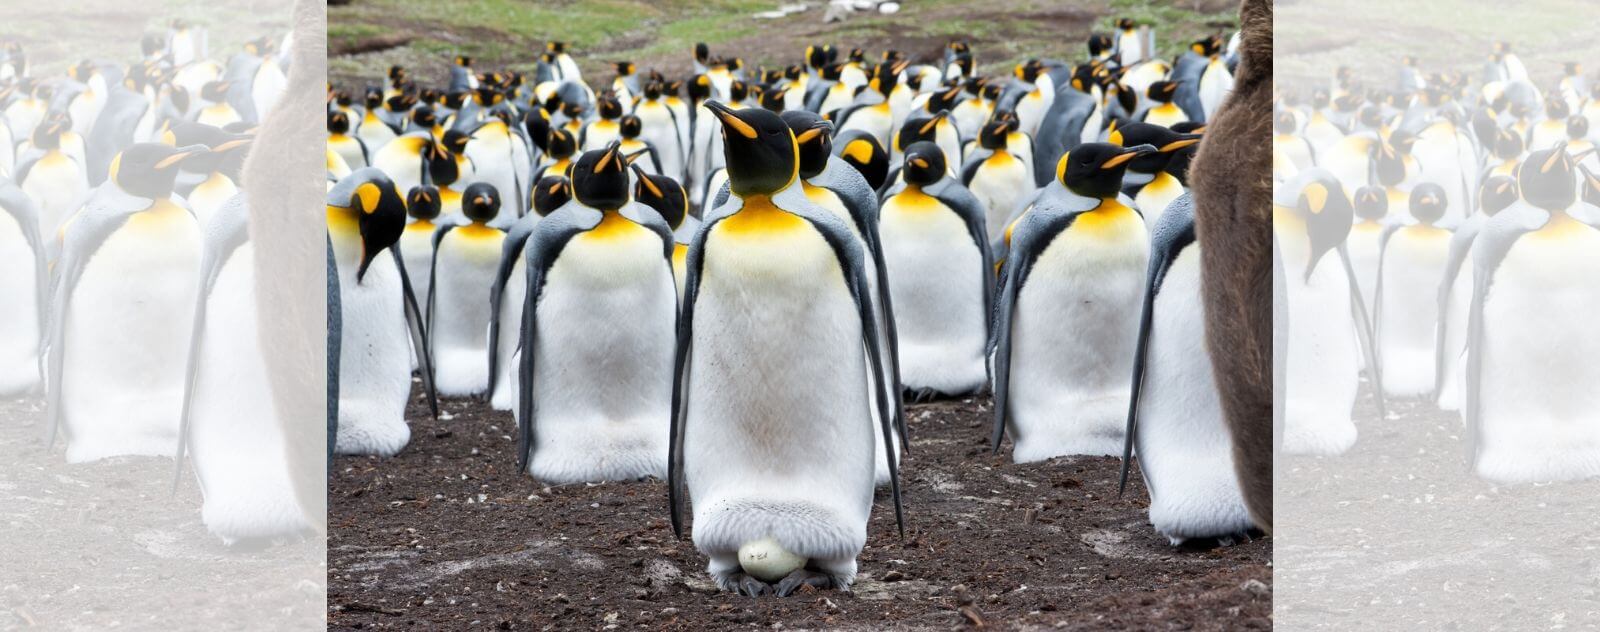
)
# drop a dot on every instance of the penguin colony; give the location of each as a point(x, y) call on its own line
point(733, 280)
point(1438, 232)
point(126, 267)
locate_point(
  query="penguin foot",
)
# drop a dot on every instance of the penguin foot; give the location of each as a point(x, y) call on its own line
point(922, 395)
point(800, 578)
point(744, 584)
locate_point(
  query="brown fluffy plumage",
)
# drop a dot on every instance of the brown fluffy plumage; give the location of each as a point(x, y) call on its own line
point(1233, 223)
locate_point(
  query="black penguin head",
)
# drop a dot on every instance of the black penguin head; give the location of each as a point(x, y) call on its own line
point(864, 153)
point(993, 134)
point(1029, 70)
point(1162, 91)
point(700, 88)
point(480, 202)
point(663, 194)
point(762, 156)
point(814, 137)
point(1548, 178)
point(1096, 169)
point(1577, 127)
point(338, 123)
point(1555, 107)
point(556, 48)
point(989, 91)
point(423, 117)
point(924, 163)
point(561, 144)
point(600, 178)
point(1327, 212)
point(1167, 143)
point(1099, 43)
point(701, 53)
point(1371, 117)
point(1498, 192)
point(624, 68)
point(1283, 122)
point(423, 203)
point(609, 107)
point(738, 91)
point(630, 126)
point(374, 98)
point(919, 129)
point(550, 193)
point(772, 100)
point(1388, 162)
point(1371, 203)
point(148, 170)
point(1508, 145)
point(47, 134)
point(1427, 203)
point(652, 90)
point(381, 216)
point(1125, 24)
point(215, 91)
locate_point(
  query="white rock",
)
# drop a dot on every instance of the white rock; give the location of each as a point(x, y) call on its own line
point(889, 7)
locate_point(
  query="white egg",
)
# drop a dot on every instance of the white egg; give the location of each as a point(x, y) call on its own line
point(768, 561)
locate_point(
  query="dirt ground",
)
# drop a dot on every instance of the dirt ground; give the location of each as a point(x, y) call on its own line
point(1397, 532)
point(108, 544)
point(447, 535)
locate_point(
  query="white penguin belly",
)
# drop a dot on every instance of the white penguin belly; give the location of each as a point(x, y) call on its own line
point(374, 362)
point(126, 341)
point(467, 260)
point(57, 185)
point(416, 252)
point(656, 128)
point(1540, 410)
point(505, 390)
point(1412, 268)
point(1184, 447)
point(1455, 337)
point(1362, 244)
point(237, 440)
point(936, 283)
point(604, 353)
point(1000, 184)
point(1324, 352)
point(1153, 199)
point(19, 338)
point(778, 438)
point(1074, 329)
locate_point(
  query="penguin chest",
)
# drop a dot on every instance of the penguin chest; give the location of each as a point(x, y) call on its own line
point(127, 336)
point(999, 184)
point(936, 283)
point(463, 272)
point(19, 282)
point(1413, 264)
point(209, 195)
point(1153, 199)
point(778, 402)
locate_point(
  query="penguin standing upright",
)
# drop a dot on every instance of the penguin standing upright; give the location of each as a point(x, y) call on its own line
point(783, 469)
point(501, 158)
point(506, 296)
point(669, 199)
point(1311, 218)
point(1536, 260)
point(55, 180)
point(1155, 188)
point(117, 348)
point(593, 376)
point(1410, 264)
point(940, 277)
point(229, 424)
point(1065, 329)
point(1162, 110)
point(366, 217)
point(1175, 413)
point(349, 147)
point(1365, 242)
point(416, 243)
point(997, 178)
point(461, 274)
point(23, 277)
point(664, 129)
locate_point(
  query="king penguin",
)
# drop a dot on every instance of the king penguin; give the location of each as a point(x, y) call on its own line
point(1065, 324)
point(52, 177)
point(416, 243)
point(23, 277)
point(937, 252)
point(121, 311)
point(1149, 182)
point(998, 179)
point(669, 199)
point(366, 217)
point(772, 433)
point(1536, 260)
point(1411, 262)
point(1311, 218)
point(1175, 412)
point(506, 295)
point(593, 369)
point(464, 261)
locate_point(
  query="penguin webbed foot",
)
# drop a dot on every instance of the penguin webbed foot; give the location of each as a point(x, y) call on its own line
point(744, 584)
point(801, 578)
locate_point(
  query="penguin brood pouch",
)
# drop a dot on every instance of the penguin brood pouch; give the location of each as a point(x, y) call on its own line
point(772, 410)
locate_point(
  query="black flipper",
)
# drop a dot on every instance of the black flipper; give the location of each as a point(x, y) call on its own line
point(335, 351)
point(1460, 246)
point(540, 252)
point(419, 335)
point(1364, 330)
point(1377, 294)
point(694, 259)
point(1034, 232)
point(509, 252)
point(433, 277)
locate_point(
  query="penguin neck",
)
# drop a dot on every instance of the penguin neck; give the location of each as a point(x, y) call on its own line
point(611, 224)
point(759, 214)
point(343, 222)
point(420, 225)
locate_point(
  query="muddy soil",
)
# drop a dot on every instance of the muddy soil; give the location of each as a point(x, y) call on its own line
point(99, 545)
point(447, 535)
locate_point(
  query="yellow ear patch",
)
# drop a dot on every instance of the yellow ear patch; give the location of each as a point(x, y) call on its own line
point(1115, 138)
point(860, 150)
point(1061, 166)
point(368, 195)
point(1316, 195)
